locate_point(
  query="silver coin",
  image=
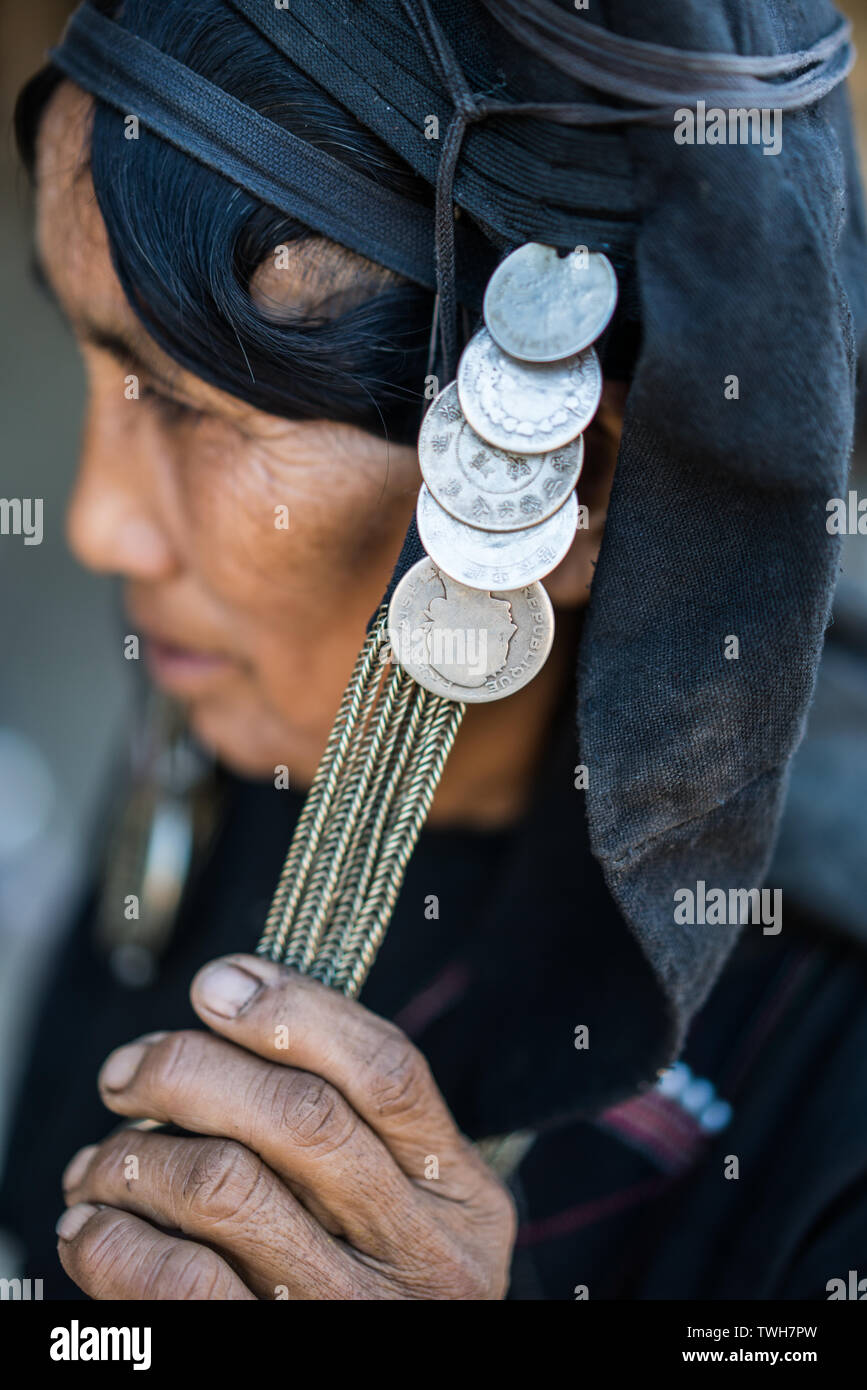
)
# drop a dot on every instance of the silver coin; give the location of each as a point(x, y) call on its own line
point(494, 559)
point(468, 644)
point(541, 307)
point(526, 407)
point(487, 487)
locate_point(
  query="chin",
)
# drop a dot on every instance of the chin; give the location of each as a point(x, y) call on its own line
point(254, 746)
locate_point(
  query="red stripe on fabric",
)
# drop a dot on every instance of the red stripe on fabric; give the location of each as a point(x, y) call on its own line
point(572, 1219)
point(659, 1127)
point(661, 1111)
point(432, 1001)
point(662, 1148)
point(768, 1019)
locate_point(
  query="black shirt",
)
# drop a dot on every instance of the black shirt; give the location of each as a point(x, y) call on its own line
point(500, 947)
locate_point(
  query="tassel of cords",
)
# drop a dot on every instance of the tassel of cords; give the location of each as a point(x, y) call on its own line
point(361, 820)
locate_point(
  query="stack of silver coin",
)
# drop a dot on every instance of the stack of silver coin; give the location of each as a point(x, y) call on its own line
point(501, 451)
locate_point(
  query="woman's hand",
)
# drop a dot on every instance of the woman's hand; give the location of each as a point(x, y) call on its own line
point(333, 1169)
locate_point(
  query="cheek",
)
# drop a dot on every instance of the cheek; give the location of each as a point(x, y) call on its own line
point(264, 531)
point(295, 598)
point(252, 734)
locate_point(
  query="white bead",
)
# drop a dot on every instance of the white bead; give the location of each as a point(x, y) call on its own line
point(697, 1096)
point(672, 1081)
point(715, 1116)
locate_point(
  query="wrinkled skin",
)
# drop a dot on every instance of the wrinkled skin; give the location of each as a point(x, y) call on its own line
point(318, 1181)
point(312, 1178)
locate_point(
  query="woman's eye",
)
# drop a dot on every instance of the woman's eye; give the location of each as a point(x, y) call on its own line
point(172, 410)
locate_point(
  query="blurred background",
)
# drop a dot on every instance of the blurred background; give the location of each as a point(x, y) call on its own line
point(64, 686)
point(65, 689)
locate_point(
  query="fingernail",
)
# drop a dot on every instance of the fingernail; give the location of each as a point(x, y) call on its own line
point(78, 1166)
point(122, 1066)
point(226, 989)
point(71, 1222)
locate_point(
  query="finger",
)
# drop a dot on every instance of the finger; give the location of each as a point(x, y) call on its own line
point(111, 1254)
point(295, 1021)
point(302, 1127)
point(217, 1192)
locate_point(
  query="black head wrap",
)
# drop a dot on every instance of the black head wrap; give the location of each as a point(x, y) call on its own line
point(735, 267)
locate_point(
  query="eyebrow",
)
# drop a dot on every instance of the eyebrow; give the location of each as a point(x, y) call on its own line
point(121, 349)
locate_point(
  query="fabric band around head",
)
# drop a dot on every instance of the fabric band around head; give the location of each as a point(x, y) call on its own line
point(293, 176)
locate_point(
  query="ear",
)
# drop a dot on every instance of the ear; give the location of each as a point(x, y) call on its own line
point(569, 584)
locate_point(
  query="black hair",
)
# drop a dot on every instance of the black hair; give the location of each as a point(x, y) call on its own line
point(185, 242)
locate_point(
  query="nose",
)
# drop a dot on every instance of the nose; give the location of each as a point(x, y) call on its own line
point(113, 520)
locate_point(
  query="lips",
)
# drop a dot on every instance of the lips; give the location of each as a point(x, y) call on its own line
point(179, 668)
point(181, 654)
point(184, 670)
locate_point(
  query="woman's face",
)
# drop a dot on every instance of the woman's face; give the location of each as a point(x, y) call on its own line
point(185, 492)
point(253, 549)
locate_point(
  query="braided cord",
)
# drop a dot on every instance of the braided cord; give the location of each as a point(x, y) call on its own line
point(367, 836)
point(361, 820)
point(309, 828)
point(314, 911)
point(411, 806)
